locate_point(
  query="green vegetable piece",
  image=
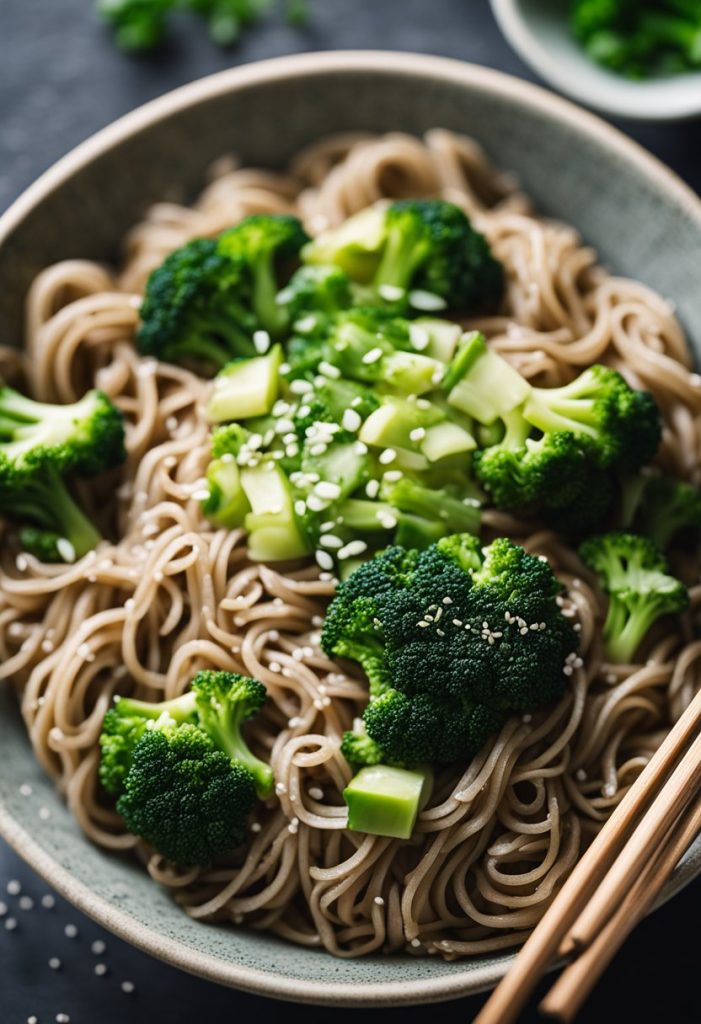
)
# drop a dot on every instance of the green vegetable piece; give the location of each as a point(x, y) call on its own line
point(482, 384)
point(227, 505)
point(273, 533)
point(385, 801)
point(246, 388)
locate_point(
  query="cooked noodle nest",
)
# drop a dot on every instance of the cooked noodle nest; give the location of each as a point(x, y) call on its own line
point(173, 595)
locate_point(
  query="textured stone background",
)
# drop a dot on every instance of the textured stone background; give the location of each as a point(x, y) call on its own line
point(60, 80)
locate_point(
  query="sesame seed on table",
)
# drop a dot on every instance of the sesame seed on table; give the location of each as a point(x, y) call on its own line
point(62, 79)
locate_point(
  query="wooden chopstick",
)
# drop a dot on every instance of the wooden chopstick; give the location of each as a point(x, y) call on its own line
point(673, 799)
point(565, 998)
point(512, 993)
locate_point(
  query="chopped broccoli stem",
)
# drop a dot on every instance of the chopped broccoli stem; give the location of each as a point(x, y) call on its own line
point(385, 801)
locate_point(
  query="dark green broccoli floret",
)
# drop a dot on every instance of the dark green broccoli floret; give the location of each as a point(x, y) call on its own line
point(196, 307)
point(224, 701)
point(208, 298)
point(358, 748)
point(41, 443)
point(453, 639)
point(633, 572)
point(266, 246)
point(428, 245)
point(185, 796)
point(124, 725)
point(661, 508)
point(591, 506)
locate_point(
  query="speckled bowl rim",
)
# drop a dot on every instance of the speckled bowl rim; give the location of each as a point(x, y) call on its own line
point(477, 977)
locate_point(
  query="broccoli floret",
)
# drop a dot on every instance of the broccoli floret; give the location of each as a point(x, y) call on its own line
point(316, 290)
point(428, 245)
point(358, 748)
point(208, 298)
point(137, 24)
point(84, 437)
point(661, 508)
point(39, 444)
point(623, 424)
point(224, 701)
point(196, 308)
point(124, 725)
point(185, 796)
point(591, 506)
point(265, 245)
point(633, 572)
point(552, 439)
point(453, 639)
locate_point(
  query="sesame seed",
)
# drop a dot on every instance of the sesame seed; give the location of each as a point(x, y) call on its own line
point(355, 547)
point(417, 434)
point(422, 624)
point(330, 540)
point(457, 622)
point(386, 520)
point(392, 476)
point(372, 488)
point(32, 1020)
point(316, 504)
point(256, 826)
point(63, 1018)
point(100, 970)
point(128, 987)
point(427, 301)
point(48, 902)
point(447, 600)
point(13, 887)
point(391, 292)
point(10, 924)
point(441, 632)
point(261, 342)
point(98, 947)
point(300, 507)
point(324, 560)
point(55, 963)
point(317, 449)
point(372, 356)
point(327, 489)
point(70, 931)
point(329, 370)
point(351, 420)
point(300, 387)
point(25, 789)
point(419, 337)
point(379, 901)
point(387, 456)
point(3, 908)
point(315, 793)
point(580, 775)
point(280, 788)
point(26, 903)
point(416, 943)
point(608, 790)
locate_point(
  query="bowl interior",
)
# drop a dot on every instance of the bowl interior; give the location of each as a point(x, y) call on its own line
point(539, 31)
point(644, 222)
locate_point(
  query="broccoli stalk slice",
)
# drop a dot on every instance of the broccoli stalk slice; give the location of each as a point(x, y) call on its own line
point(482, 384)
point(385, 801)
point(61, 531)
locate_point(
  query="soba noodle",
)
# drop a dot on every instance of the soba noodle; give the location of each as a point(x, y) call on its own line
point(172, 595)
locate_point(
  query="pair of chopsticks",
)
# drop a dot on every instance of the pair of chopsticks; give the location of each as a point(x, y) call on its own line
point(615, 883)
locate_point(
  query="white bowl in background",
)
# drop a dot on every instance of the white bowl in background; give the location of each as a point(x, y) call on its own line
point(539, 32)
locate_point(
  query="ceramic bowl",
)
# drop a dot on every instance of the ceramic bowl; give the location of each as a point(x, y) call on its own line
point(539, 32)
point(642, 219)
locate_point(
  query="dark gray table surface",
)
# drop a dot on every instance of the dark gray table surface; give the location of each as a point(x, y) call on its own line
point(60, 80)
